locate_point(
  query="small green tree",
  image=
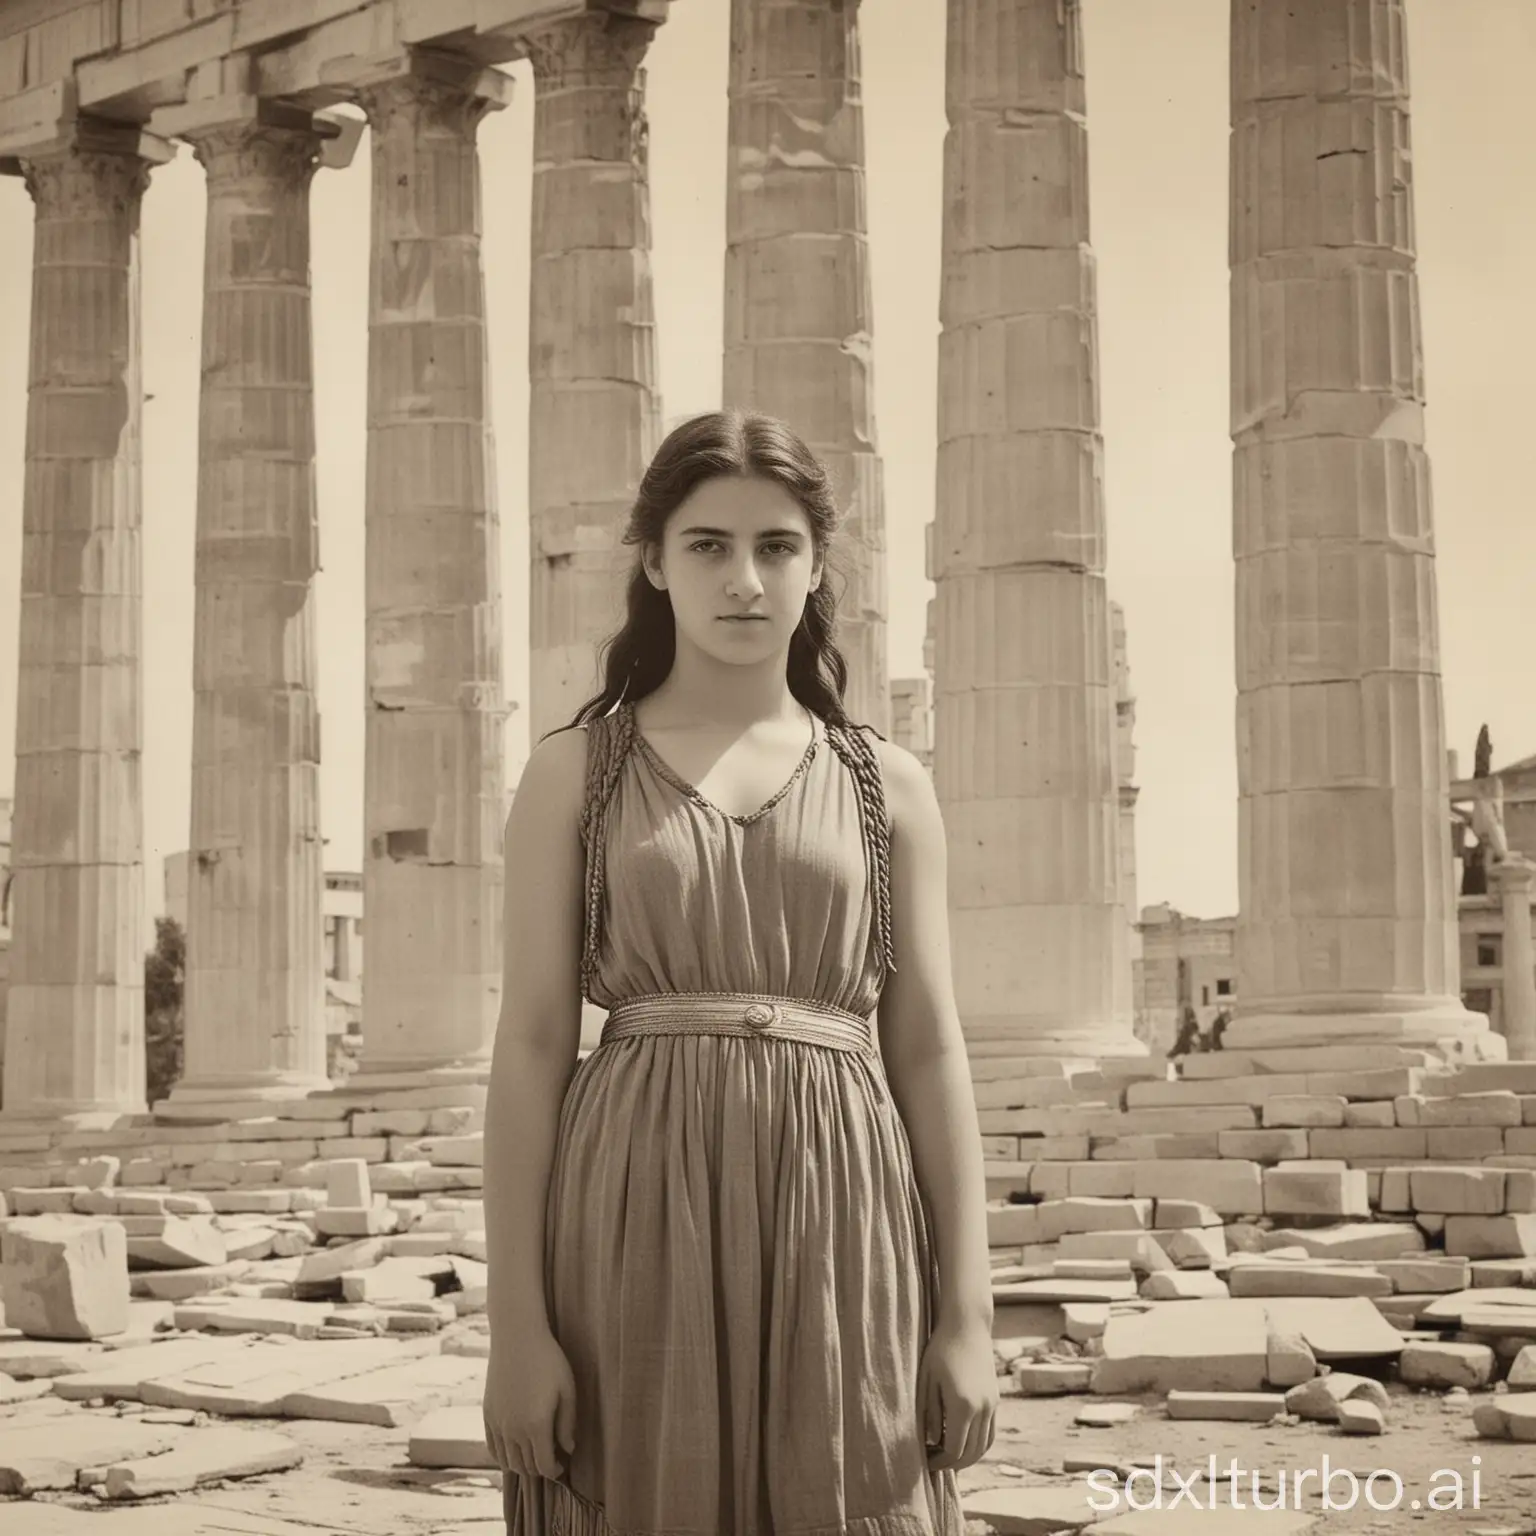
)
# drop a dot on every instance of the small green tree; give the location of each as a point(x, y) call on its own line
point(165, 978)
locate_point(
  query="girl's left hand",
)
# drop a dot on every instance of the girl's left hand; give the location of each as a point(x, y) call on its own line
point(957, 1396)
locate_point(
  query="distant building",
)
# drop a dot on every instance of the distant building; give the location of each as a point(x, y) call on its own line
point(1192, 961)
point(1185, 962)
point(1480, 917)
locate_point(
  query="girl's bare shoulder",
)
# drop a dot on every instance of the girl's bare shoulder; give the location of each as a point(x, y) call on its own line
point(553, 782)
point(908, 788)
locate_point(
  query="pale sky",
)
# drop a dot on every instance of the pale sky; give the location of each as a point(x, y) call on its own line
point(1157, 77)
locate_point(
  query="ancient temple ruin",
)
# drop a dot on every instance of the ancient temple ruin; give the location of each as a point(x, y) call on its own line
point(1347, 930)
point(1353, 1176)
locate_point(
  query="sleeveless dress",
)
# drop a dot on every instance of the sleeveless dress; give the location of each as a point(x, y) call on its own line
point(738, 1260)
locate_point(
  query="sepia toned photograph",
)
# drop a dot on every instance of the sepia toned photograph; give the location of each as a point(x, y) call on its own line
point(767, 768)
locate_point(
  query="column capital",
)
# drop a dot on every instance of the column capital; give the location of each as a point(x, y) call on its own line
point(238, 151)
point(594, 48)
point(431, 88)
point(74, 180)
point(86, 163)
point(223, 125)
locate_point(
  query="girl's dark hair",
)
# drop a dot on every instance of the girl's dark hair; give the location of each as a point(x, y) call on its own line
point(720, 444)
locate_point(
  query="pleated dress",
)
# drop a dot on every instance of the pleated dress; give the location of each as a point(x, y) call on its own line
point(738, 1260)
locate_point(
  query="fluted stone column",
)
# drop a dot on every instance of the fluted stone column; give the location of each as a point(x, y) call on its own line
point(798, 315)
point(255, 1000)
point(434, 760)
point(1515, 878)
point(75, 1017)
point(1025, 736)
point(594, 407)
point(1347, 924)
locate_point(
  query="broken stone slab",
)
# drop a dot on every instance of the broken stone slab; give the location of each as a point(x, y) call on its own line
point(347, 1186)
point(64, 1279)
point(1446, 1365)
point(1175, 1520)
point(121, 1374)
point(185, 1284)
point(1171, 1214)
point(1451, 1310)
point(218, 1314)
point(13, 1390)
point(1522, 1370)
point(1063, 1269)
point(254, 1382)
point(397, 1280)
point(450, 1437)
point(1335, 1327)
point(1305, 1279)
point(206, 1456)
point(1052, 1378)
point(392, 1395)
point(1491, 1237)
point(322, 1268)
point(174, 1242)
point(1054, 1289)
point(1079, 1214)
point(1320, 1400)
point(1290, 1360)
point(35, 1458)
point(1105, 1415)
point(1362, 1241)
point(376, 1221)
point(1431, 1274)
point(1031, 1511)
point(250, 1242)
point(1193, 1247)
point(1226, 1407)
point(37, 1360)
point(1194, 1346)
point(1360, 1416)
point(1500, 1322)
point(1183, 1285)
point(1509, 1417)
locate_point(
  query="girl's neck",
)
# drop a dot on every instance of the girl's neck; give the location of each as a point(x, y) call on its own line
point(701, 690)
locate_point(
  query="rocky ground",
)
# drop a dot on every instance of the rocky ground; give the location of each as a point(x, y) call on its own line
point(358, 1480)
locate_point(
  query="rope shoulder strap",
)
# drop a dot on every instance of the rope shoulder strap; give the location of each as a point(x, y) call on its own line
point(609, 739)
point(856, 746)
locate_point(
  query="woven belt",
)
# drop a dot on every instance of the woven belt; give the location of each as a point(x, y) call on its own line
point(744, 1014)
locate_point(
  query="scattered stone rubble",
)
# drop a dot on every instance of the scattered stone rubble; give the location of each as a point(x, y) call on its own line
point(175, 1274)
point(1270, 1236)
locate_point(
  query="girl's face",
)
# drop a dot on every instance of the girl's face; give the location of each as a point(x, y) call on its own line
point(738, 561)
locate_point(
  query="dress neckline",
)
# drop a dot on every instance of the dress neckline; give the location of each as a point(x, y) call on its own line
point(683, 787)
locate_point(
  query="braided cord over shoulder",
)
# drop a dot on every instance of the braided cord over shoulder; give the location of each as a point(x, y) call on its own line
point(856, 749)
point(609, 739)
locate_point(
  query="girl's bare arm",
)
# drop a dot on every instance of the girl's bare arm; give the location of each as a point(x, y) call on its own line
point(923, 1048)
point(539, 1031)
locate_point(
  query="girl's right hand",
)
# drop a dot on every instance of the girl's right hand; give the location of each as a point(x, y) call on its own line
point(530, 1406)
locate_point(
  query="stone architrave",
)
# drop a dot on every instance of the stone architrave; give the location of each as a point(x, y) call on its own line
point(255, 1003)
point(1025, 736)
point(1347, 927)
point(75, 1019)
point(1515, 877)
point(594, 406)
point(434, 756)
point(798, 314)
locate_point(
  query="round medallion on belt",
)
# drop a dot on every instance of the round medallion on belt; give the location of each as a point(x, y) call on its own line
point(761, 1015)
